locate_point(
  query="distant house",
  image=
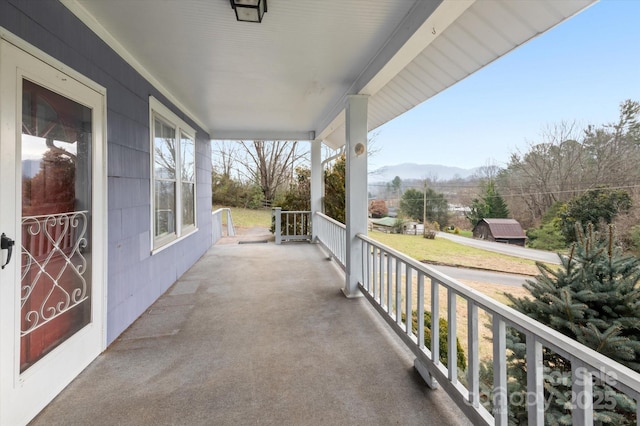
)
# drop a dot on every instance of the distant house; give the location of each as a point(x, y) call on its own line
point(506, 231)
point(384, 224)
point(459, 210)
point(412, 228)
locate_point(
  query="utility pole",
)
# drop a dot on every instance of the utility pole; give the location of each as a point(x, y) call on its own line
point(424, 210)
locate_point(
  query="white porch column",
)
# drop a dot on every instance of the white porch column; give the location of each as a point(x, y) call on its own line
point(316, 183)
point(356, 189)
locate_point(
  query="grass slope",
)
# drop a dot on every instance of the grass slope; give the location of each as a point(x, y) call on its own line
point(447, 252)
point(248, 218)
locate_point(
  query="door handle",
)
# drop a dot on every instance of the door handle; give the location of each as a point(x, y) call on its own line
point(6, 243)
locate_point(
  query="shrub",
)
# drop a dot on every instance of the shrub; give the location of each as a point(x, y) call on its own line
point(430, 230)
point(635, 238)
point(453, 230)
point(254, 197)
point(546, 237)
point(398, 226)
point(443, 339)
point(597, 206)
point(233, 193)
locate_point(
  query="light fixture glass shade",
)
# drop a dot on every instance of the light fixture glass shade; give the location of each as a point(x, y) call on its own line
point(249, 10)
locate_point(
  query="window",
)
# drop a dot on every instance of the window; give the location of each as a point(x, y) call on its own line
point(173, 180)
point(188, 172)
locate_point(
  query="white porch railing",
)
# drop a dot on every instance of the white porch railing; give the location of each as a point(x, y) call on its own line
point(291, 225)
point(217, 225)
point(333, 235)
point(389, 284)
point(398, 285)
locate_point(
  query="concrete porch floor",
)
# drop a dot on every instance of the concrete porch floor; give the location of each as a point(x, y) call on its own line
point(255, 334)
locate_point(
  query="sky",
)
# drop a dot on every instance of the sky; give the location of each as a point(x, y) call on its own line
point(580, 71)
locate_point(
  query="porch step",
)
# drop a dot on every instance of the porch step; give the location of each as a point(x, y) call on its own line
point(248, 236)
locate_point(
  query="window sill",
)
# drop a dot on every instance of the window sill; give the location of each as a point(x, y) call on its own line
point(168, 244)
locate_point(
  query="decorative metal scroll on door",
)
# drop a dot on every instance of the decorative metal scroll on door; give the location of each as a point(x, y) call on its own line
point(52, 249)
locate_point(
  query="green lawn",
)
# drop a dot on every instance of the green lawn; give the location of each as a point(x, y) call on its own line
point(444, 251)
point(248, 218)
point(468, 234)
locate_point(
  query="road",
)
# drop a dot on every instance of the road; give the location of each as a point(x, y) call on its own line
point(470, 274)
point(508, 249)
point(482, 276)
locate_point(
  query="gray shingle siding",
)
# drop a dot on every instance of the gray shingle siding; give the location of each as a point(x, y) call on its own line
point(135, 277)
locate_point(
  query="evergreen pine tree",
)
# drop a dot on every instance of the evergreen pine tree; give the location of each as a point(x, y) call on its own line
point(497, 206)
point(334, 190)
point(490, 206)
point(594, 298)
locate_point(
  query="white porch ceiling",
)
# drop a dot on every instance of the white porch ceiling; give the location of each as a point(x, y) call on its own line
point(288, 77)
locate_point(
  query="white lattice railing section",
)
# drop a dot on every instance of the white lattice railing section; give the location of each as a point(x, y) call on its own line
point(333, 235)
point(53, 267)
point(397, 285)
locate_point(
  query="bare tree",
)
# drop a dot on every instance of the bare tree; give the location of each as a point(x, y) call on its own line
point(548, 172)
point(224, 158)
point(569, 162)
point(270, 164)
point(488, 172)
point(613, 149)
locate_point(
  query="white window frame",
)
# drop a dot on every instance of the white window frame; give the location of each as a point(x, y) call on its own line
point(157, 111)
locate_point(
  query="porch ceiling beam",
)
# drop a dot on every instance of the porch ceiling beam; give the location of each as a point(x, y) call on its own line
point(267, 135)
point(423, 24)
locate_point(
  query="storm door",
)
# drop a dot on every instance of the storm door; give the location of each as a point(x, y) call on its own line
point(51, 284)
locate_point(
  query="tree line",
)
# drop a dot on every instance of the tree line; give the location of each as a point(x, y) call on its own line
point(578, 176)
point(259, 174)
point(568, 162)
point(570, 176)
point(254, 174)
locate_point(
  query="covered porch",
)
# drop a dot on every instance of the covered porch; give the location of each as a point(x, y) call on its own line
point(263, 333)
point(255, 334)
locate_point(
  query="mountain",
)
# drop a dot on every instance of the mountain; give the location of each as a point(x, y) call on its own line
point(419, 171)
point(31, 167)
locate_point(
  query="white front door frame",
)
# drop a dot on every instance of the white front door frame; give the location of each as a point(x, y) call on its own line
point(23, 395)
